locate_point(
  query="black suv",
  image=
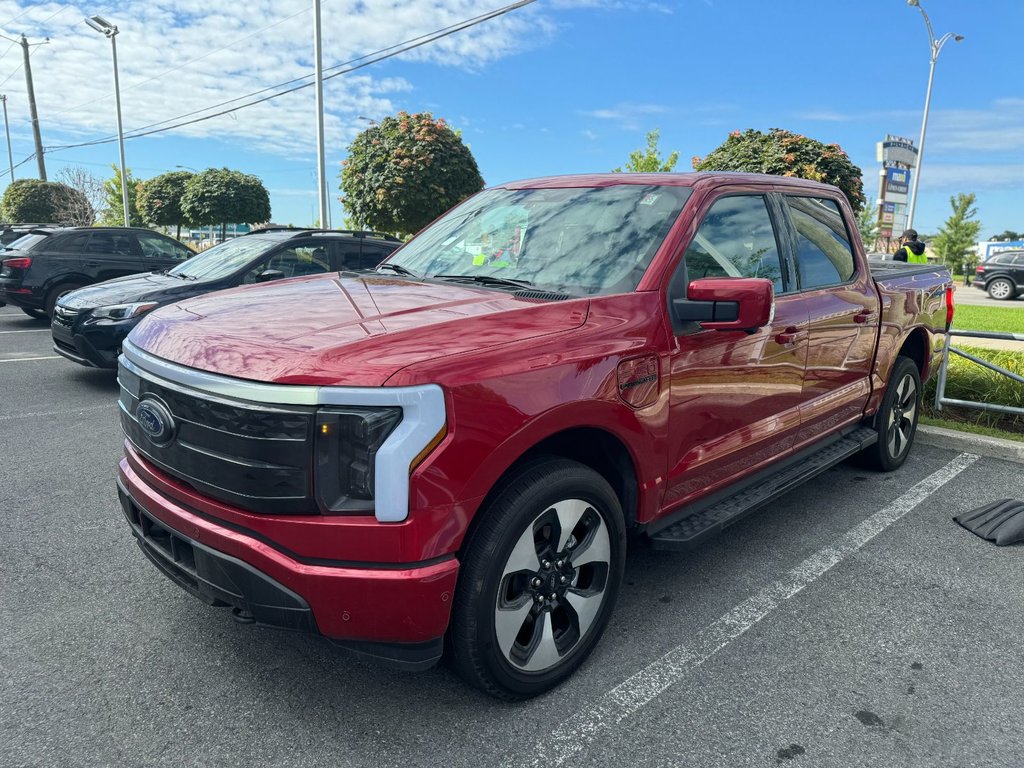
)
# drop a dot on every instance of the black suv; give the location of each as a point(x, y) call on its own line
point(1001, 275)
point(90, 324)
point(47, 262)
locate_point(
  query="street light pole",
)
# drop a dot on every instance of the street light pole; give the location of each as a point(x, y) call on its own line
point(110, 30)
point(935, 46)
point(7, 129)
point(321, 166)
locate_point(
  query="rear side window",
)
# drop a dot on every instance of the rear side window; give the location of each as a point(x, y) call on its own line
point(72, 243)
point(110, 243)
point(735, 239)
point(824, 256)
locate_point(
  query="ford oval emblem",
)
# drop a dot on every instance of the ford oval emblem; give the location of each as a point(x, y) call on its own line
point(156, 421)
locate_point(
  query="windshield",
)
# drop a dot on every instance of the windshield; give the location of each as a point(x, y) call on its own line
point(224, 259)
point(25, 242)
point(581, 241)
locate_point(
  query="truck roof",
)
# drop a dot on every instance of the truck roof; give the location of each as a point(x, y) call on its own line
point(665, 179)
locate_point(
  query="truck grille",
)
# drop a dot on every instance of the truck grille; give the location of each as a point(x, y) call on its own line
point(258, 458)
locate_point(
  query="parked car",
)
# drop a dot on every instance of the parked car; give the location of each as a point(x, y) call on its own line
point(455, 445)
point(90, 324)
point(1001, 275)
point(48, 262)
point(11, 232)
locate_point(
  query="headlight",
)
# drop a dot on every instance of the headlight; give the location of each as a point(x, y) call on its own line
point(123, 311)
point(347, 440)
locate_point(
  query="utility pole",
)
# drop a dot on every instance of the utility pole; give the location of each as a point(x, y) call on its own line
point(325, 210)
point(32, 110)
point(7, 128)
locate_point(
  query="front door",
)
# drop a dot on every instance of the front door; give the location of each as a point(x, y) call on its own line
point(735, 397)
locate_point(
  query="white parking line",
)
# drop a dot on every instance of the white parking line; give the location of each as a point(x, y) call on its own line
point(76, 411)
point(577, 733)
point(28, 359)
point(30, 330)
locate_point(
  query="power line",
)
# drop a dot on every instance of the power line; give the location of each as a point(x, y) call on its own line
point(182, 65)
point(343, 69)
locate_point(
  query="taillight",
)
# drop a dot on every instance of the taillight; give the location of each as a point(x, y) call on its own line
point(949, 308)
point(21, 262)
point(979, 269)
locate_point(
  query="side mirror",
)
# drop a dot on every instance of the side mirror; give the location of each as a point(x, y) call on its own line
point(727, 303)
point(268, 275)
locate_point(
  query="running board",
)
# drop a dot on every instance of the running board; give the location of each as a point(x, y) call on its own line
point(695, 528)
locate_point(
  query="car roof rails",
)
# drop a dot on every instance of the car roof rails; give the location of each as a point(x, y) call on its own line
point(313, 231)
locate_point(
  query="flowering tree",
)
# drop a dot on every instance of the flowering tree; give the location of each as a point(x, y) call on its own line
point(783, 153)
point(404, 172)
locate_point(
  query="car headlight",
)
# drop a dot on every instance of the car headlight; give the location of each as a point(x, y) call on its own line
point(123, 311)
point(347, 440)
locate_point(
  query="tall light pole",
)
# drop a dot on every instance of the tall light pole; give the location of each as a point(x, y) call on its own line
point(104, 27)
point(935, 46)
point(7, 129)
point(321, 166)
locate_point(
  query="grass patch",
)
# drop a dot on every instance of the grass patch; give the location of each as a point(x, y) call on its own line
point(966, 380)
point(967, 426)
point(1005, 319)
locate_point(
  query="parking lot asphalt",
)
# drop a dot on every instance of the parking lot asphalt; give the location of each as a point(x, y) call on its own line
point(852, 623)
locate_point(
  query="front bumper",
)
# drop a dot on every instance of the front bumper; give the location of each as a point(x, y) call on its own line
point(98, 349)
point(396, 613)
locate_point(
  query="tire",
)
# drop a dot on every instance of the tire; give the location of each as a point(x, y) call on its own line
point(522, 618)
point(1001, 289)
point(55, 293)
point(897, 418)
point(38, 314)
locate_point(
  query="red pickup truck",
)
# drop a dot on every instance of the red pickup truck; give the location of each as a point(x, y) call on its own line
point(453, 448)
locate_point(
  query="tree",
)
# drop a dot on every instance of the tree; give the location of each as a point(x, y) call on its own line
point(649, 160)
point(783, 153)
point(30, 201)
point(867, 224)
point(113, 211)
point(959, 235)
point(406, 171)
point(222, 196)
point(1008, 234)
point(81, 210)
point(159, 199)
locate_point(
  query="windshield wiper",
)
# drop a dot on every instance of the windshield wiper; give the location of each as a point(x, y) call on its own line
point(485, 280)
point(397, 268)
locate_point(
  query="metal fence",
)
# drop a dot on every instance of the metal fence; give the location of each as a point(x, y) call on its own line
point(940, 389)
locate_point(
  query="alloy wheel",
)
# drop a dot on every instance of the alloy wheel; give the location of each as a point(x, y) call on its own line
point(902, 417)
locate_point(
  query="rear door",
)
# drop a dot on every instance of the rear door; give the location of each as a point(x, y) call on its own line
point(735, 397)
point(843, 308)
point(111, 254)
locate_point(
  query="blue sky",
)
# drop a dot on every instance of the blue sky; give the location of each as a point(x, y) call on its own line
point(563, 86)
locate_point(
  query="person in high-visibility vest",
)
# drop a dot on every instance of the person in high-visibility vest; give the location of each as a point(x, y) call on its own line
point(912, 250)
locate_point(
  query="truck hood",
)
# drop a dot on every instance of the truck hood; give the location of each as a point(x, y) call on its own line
point(343, 330)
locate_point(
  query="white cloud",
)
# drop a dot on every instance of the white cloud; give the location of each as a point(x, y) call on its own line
point(170, 63)
point(630, 117)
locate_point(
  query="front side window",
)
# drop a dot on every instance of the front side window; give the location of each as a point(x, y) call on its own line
point(735, 239)
point(156, 247)
point(824, 256)
point(580, 241)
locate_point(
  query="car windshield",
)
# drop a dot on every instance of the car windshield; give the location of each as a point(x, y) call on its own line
point(224, 259)
point(25, 242)
point(580, 241)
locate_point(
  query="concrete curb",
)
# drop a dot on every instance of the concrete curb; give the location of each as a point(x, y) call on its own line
point(993, 447)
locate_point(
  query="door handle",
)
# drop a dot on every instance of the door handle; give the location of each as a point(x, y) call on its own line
point(92, 263)
point(791, 335)
point(864, 315)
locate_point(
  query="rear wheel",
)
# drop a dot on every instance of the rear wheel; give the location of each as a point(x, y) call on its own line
point(1001, 289)
point(38, 314)
point(56, 293)
point(897, 418)
point(539, 580)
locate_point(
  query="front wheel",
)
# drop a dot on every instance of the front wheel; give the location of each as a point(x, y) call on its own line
point(1001, 289)
point(539, 580)
point(897, 418)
